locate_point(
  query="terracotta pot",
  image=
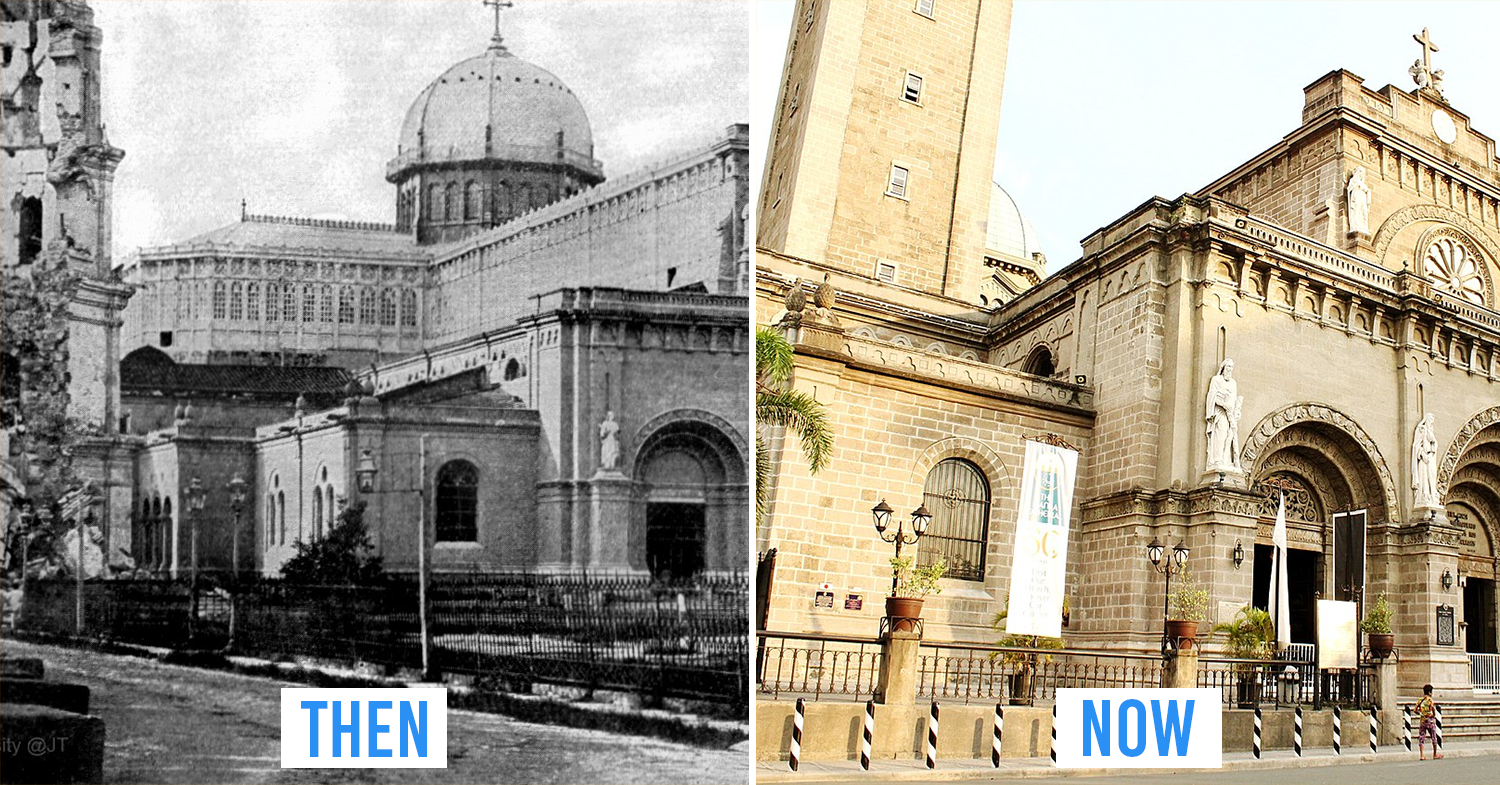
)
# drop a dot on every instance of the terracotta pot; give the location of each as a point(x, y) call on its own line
point(1382, 643)
point(904, 613)
point(1182, 632)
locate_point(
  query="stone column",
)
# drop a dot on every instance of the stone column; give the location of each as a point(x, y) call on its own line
point(1181, 671)
point(1386, 691)
point(610, 495)
point(898, 669)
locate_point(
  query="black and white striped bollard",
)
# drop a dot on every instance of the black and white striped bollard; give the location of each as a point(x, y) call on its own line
point(795, 758)
point(1256, 748)
point(1297, 732)
point(1406, 727)
point(1338, 730)
point(1053, 752)
point(999, 729)
point(864, 747)
point(1374, 732)
point(1437, 736)
point(932, 733)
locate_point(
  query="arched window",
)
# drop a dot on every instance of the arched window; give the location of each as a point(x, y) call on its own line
point(366, 305)
point(457, 502)
point(219, 312)
point(328, 508)
point(346, 305)
point(958, 495)
point(281, 516)
point(435, 207)
point(317, 515)
point(471, 201)
point(270, 520)
point(451, 202)
point(252, 301)
point(10, 389)
point(236, 301)
point(1040, 363)
point(31, 229)
point(387, 307)
point(289, 303)
point(309, 303)
point(273, 302)
point(325, 312)
point(164, 552)
point(408, 308)
point(512, 370)
point(502, 201)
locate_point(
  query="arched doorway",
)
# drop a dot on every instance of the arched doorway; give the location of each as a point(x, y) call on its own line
point(1473, 505)
point(690, 500)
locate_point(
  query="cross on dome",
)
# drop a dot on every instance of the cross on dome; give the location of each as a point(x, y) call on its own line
point(497, 42)
point(1428, 47)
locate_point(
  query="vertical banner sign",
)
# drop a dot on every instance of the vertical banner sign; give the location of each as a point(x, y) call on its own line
point(1039, 562)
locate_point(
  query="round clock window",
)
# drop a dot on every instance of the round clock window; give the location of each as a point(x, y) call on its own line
point(1443, 125)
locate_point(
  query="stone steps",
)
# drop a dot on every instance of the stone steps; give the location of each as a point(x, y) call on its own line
point(1475, 719)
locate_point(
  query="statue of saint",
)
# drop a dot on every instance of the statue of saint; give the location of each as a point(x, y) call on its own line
point(1424, 464)
point(1222, 415)
point(609, 442)
point(1419, 73)
point(1358, 194)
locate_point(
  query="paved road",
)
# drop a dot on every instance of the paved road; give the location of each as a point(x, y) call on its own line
point(170, 724)
point(1432, 772)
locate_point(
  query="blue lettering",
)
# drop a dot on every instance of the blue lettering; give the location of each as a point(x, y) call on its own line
point(1140, 735)
point(351, 729)
point(417, 727)
point(376, 729)
point(1095, 725)
point(1172, 729)
point(312, 725)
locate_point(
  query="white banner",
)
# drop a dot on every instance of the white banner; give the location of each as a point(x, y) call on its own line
point(1039, 562)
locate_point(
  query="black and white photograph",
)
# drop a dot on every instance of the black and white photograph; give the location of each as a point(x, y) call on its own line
point(375, 345)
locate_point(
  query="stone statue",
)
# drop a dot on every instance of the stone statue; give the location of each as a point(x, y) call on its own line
point(1358, 194)
point(1419, 73)
point(1223, 409)
point(609, 442)
point(1437, 81)
point(1424, 464)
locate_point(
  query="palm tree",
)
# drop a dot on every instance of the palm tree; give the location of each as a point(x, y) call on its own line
point(777, 405)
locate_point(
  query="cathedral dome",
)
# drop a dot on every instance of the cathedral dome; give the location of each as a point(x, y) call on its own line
point(496, 106)
point(1009, 232)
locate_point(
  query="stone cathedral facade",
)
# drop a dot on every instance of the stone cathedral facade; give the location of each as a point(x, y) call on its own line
point(1349, 271)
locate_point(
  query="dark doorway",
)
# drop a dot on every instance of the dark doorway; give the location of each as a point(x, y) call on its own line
point(674, 540)
point(1479, 612)
point(1302, 580)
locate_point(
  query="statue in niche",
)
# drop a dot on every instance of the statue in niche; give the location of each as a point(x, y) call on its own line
point(1358, 194)
point(1223, 409)
point(1424, 464)
point(609, 442)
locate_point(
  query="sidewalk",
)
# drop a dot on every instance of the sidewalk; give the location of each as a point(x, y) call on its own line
point(1019, 768)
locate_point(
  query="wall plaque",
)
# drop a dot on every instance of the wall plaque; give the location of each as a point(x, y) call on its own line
point(1445, 627)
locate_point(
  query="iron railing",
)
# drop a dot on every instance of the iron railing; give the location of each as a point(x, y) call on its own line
point(1484, 672)
point(1251, 683)
point(817, 666)
point(1020, 675)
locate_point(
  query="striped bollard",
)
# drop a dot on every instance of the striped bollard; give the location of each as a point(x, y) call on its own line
point(1374, 732)
point(795, 758)
point(1437, 736)
point(1406, 727)
point(864, 747)
point(1053, 752)
point(999, 729)
point(1256, 748)
point(1297, 732)
point(932, 732)
point(1338, 729)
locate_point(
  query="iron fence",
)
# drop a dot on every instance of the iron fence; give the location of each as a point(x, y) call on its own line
point(1022, 676)
point(817, 666)
point(1250, 683)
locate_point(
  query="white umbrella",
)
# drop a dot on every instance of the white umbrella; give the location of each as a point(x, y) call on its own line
point(1280, 597)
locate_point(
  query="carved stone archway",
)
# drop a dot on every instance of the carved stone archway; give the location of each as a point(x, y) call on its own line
point(1405, 217)
point(677, 418)
point(1350, 454)
point(1467, 437)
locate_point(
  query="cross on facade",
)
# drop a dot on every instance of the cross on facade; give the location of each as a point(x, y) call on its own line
point(1428, 47)
point(498, 5)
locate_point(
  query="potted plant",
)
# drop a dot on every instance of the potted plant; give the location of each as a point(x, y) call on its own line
point(1377, 625)
point(1249, 636)
point(1189, 607)
point(904, 606)
point(1025, 663)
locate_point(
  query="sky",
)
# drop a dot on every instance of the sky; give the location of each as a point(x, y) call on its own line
point(296, 106)
point(1108, 104)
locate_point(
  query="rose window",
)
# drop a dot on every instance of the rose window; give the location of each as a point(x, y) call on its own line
point(1451, 265)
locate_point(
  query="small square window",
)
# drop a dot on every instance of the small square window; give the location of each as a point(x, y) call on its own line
point(912, 90)
point(165, 339)
point(925, 7)
point(897, 185)
point(885, 271)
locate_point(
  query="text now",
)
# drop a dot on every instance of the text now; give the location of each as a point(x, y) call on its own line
point(1139, 728)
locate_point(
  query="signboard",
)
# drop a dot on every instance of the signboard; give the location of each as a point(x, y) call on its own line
point(1040, 559)
point(854, 602)
point(824, 596)
point(1445, 626)
point(1338, 634)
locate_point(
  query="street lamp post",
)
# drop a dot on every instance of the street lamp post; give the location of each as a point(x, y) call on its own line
point(196, 498)
point(27, 519)
point(364, 473)
point(236, 489)
point(920, 517)
point(1168, 567)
